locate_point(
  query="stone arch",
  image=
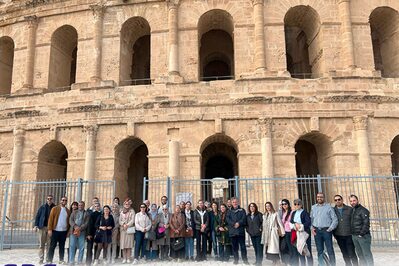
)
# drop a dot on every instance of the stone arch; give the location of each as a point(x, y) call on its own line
point(135, 52)
point(218, 160)
point(313, 156)
point(303, 42)
point(52, 162)
point(216, 45)
point(6, 64)
point(63, 57)
point(130, 168)
point(384, 24)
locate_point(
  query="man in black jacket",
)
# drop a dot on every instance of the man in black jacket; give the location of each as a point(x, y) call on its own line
point(360, 229)
point(41, 222)
point(201, 220)
point(91, 230)
point(343, 231)
point(236, 221)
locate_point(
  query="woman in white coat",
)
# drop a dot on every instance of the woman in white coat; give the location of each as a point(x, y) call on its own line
point(272, 230)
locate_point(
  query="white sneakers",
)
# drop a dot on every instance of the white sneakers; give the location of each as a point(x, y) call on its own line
point(135, 261)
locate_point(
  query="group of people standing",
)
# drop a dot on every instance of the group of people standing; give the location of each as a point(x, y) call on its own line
point(158, 233)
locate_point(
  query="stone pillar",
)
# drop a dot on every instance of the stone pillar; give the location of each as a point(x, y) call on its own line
point(360, 124)
point(90, 159)
point(346, 34)
point(173, 42)
point(265, 128)
point(15, 175)
point(32, 22)
point(98, 13)
point(260, 56)
point(19, 137)
point(365, 186)
point(174, 159)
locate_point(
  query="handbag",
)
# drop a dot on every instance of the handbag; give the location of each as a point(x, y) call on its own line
point(188, 233)
point(279, 229)
point(160, 232)
point(131, 230)
point(178, 244)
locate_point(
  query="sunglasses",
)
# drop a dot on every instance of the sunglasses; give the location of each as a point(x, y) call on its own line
point(143, 207)
point(49, 198)
point(337, 199)
point(64, 200)
point(284, 203)
point(297, 204)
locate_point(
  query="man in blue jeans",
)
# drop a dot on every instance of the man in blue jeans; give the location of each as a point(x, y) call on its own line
point(78, 222)
point(324, 221)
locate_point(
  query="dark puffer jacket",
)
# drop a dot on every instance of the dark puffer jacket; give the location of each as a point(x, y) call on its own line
point(360, 224)
point(236, 216)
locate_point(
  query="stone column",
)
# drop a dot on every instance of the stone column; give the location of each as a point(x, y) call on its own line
point(15, 175)
point(19, 137)
point(265, 128)
point(260, 57)
point(173, 42)
point(360, 124)
point(365, 186)
point(346, 33)
point(98, 13)
point(174, 159)
point(32, 22)
point(90, 159)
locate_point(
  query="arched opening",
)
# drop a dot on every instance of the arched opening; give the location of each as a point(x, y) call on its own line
point(63, 57)
point(131, 166)
point(384, 23)
point(216, 45)
point(52, 166)
point(395, 167)
point(303, 45)
point(135, 53)
point(6, 64)
point(313, 157)
point(218, 160)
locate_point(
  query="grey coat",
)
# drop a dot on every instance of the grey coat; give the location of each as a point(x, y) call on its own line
point(83, 226)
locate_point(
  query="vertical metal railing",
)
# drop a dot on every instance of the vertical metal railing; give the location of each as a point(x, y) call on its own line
point(21, 200)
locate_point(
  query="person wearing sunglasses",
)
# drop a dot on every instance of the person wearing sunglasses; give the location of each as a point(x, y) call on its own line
point(343, 231)
point(300, 222)
point(143, 225)
point(41, 221)
point(58, 225)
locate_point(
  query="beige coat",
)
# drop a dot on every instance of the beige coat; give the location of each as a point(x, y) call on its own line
point(270, 236)
point(126, 240)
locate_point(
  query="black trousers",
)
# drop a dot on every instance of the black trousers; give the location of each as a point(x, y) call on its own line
point(201, 245)
point(347, 248)
point(89, 253)
point(60, 238)
point(239, 241)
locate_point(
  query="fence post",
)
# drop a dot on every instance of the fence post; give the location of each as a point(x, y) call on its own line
point(144, 190)
point(319, 185)
point(246, 192)
point(3, 228)
point(79, 192)
point(168, 190)
point(237, 187)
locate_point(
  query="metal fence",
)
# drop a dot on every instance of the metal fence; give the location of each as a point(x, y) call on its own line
point(19, 202)
point(380, 194)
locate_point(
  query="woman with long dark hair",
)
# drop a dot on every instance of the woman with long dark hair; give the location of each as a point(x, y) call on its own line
point(273, 228)
point(254, 229)
point(189, 235)
point(222, 233)
point(289, 253)
point(212, 215)
point(104, 225)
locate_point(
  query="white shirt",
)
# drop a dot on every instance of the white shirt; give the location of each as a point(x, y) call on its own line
point(62, 220)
